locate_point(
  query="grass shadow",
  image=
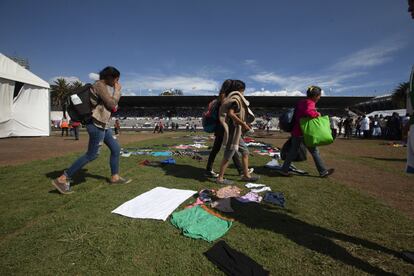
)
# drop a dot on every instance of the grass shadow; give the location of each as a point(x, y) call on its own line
point(185, 171)
point(80, 176)
point(313, 237)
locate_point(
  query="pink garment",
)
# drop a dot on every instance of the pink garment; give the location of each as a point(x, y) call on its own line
point(304, 108)
point(198, 202)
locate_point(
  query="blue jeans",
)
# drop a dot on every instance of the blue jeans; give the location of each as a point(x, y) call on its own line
point(97, 136)
point(293, 152)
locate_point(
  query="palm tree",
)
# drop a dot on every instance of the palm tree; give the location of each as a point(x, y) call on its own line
point(399, 96)
point(59, 91)
point(76, 85)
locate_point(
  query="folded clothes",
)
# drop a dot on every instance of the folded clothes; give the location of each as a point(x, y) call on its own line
point(250, 197)
point(264, 189)
point(275, 198)
point(254, 185)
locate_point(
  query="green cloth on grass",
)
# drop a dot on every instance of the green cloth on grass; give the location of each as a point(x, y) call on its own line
point(197, 223)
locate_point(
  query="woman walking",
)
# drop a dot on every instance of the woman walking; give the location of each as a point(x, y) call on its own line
point(105, 94)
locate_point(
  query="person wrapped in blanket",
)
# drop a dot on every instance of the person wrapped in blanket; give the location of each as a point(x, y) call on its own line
point(235, 117)
point(305, 108)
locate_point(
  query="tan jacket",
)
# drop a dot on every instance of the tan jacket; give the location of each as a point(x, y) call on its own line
point(232, 140)
point(103, 103)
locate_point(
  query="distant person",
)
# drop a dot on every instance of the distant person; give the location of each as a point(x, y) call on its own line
point(64, 125)
point(376, 127)
point(75, 127)
point(187, 126)
point(305, 108)
point(156, 128)
point(105, 96)
point(235, 117)
point(334, 122)
point(409, 127)
point(365, 126)
point(160, 127)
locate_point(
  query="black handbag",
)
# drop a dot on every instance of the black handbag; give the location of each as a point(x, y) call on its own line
point(302, 154)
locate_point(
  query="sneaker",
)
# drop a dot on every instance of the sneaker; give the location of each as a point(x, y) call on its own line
point(251, 170)
point(224, 182)
point(327, 172)
point(121, 180)
point(63, 188)
point(252, 178)
point(211, 174)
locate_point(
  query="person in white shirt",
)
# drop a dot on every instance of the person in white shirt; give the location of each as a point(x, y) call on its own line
point(365, 126)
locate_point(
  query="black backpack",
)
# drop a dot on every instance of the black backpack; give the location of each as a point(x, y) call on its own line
point(78, 104)
point(286, 120)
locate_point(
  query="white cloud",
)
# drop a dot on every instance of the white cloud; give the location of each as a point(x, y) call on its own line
point(250, 62)
point(275, 93)
point(70, 79)
point(369, 57)
point(93, 76)
point(189, 84)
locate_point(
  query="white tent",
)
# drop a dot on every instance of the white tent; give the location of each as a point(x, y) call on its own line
point(24, 101)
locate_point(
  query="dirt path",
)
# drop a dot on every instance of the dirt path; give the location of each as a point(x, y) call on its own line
point(15, 151)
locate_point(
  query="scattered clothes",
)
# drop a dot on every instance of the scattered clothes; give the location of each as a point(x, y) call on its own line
point(161, 153)
point(275, 198)
point(272, 163)
point(197, 157)
point(264, 189)
point(199, 146)
point(157, 203)
point(248, 139)
point(206, 195)
point(223, 205)
point(256, 144)
point(182, 147)
point(144, 163)
point(199, 201)
point(210, 211)
point(168, 161)
point(197, 223)
point(233, 262)
point(250, 197)
point(228, 191)
point(126, 154)
point(253, 185)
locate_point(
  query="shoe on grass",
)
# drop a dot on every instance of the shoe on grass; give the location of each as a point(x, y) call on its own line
point(63, 188)
point(120, 180)
point(211, 174)
point(252, 178)
point(224, 182)
point(251, 170)
point(327, 172)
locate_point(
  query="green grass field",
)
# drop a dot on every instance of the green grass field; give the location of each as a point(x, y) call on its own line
point(326, 227)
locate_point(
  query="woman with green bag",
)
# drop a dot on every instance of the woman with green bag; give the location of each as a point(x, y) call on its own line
point(305, 108)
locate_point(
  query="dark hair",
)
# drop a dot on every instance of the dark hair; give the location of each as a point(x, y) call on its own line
point(109, 73)
point(226, 87)
point(313, 91)
point(239, 85)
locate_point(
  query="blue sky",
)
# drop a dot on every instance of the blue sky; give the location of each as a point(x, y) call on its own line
point(348, 47)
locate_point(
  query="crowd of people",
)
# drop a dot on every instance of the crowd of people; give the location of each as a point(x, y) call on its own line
point(377, 126)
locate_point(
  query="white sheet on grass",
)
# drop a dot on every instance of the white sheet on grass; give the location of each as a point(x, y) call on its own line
point(158, 203)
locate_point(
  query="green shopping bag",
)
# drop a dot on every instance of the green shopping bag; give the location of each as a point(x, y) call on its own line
point(316, 131)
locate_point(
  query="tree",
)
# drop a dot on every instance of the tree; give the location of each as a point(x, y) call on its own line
point(59, 91)
point(399, 95)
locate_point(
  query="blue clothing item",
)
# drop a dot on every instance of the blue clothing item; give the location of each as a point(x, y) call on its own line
point(168, 161)
point(275, 198)
point(97, 136)
point(161, 153)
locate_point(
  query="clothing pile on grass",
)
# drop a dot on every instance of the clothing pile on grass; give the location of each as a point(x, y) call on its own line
point(261, 148)
point(203, 219)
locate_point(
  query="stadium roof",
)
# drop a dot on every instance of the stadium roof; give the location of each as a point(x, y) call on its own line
point(255, 101)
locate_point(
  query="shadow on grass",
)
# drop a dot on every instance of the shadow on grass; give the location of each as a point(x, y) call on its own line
point(185, 171)
point(386, 159)
point(310, 236)
point(79, 177)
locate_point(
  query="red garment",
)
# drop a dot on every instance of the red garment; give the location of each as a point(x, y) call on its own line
point(76, 124)
point(304, 108)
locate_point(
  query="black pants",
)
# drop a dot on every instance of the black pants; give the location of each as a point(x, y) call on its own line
point(65, 129)
point(216, 148)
